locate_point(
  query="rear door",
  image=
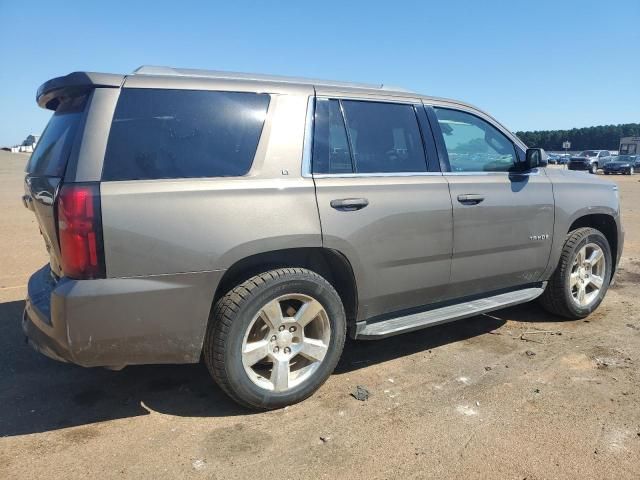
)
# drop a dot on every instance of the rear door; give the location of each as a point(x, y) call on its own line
point(503, 220)
point(382, 200)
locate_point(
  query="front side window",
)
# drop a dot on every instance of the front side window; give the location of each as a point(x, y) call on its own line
point(474, 145)
point(158, 133)
point(377, 138)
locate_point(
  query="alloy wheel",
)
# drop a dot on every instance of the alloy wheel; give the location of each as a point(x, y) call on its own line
point(587, 274)
point(286, 342)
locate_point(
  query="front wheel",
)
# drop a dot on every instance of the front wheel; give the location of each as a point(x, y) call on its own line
point(593, 169)
point(273, 340)
point(631, 171)
point(582, 276)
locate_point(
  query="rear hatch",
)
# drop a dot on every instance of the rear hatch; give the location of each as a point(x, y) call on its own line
point(46, 169)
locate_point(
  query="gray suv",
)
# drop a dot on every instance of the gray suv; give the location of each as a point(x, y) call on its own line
point(589, 160)
point(254, 221)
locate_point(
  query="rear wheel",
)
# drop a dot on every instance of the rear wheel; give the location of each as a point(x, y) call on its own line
point(582, 276)
point(274, 339)
point(631, 171)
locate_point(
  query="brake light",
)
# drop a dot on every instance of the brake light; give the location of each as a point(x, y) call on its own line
point(80, 231)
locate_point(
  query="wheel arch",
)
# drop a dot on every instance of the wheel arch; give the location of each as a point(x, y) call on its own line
point(606, 224)
point(329, 263)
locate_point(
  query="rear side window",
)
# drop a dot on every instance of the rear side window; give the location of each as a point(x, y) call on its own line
point(52, 151)
point(377, 138)
point(159, 133)
point(330, 144)
point(385, 137)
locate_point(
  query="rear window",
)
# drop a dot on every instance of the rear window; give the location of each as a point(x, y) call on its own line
point(50, 157)
point(159, 133)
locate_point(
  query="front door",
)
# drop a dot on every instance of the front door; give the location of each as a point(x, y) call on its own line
point(379, 203)
point(503, 220)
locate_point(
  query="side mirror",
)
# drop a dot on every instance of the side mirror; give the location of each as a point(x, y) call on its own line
point(535, 157)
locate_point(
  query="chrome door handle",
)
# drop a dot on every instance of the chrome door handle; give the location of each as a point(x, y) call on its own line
point(349, 204)
point(470, 199)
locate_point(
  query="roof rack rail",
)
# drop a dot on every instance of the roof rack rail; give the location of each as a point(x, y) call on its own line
point(217, 74)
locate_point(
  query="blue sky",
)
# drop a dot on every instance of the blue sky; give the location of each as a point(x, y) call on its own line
point(532, 64)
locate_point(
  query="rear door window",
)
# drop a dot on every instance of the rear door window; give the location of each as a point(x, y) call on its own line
point(50, 157)
point(353, 136)
point(158, 133)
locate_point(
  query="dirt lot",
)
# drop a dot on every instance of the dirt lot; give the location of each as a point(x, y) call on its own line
point(477, 398)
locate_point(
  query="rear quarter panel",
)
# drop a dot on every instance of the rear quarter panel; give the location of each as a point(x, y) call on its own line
point(191, 225)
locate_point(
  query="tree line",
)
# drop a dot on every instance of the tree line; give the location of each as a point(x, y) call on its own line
point(605, 137)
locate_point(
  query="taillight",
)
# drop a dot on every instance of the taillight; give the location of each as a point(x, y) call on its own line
point(80, 231)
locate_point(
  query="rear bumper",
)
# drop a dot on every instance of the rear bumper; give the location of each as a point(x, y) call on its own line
point(119, 321)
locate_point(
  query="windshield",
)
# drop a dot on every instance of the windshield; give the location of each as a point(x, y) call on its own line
point(52, 151)
point(588, 153)
point(624, 158)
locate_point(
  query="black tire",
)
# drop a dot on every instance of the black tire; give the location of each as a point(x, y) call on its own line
point(630, 172)
point(606, 173)
point(557, 297)
point(593, 169)
point(231, 317)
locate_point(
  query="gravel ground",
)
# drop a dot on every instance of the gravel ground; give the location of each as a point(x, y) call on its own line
point(483, 397)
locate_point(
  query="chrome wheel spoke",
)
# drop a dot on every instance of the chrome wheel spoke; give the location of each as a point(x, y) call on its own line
point(595, 257)
point(272, 314)
point(573, 279)
point(581, 294)
point(254, 352)
point(308, 312)
point(280, 375)
point(315, 350)
point(596, 281)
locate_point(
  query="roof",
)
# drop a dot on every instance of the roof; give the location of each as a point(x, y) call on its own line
point(220, 75)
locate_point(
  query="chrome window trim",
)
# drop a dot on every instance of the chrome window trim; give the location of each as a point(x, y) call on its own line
point(307, 145)
point(379, 174)
point(465, 174)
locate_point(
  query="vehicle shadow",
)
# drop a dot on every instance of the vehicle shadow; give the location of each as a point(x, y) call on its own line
point(38, 394)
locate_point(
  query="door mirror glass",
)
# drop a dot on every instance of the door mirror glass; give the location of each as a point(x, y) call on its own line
point(535, 158)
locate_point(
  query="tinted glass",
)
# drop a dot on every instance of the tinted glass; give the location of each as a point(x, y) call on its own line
point(183, 134)
point(384, 137)
point(330, 147)
point(628, 148)
point(474, 145)
point(52, 151)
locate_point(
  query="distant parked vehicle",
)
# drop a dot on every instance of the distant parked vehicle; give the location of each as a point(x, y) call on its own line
point(553, 158)
point(629, 146)
point(624, 164)
point(589, 160)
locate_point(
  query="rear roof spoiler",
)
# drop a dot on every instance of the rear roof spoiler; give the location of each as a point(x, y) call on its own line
point(73, 84)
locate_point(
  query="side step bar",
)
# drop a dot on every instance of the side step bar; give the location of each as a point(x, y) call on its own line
point(437, 316)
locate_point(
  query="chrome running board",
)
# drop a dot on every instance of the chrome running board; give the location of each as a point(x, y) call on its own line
point(415, 321)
